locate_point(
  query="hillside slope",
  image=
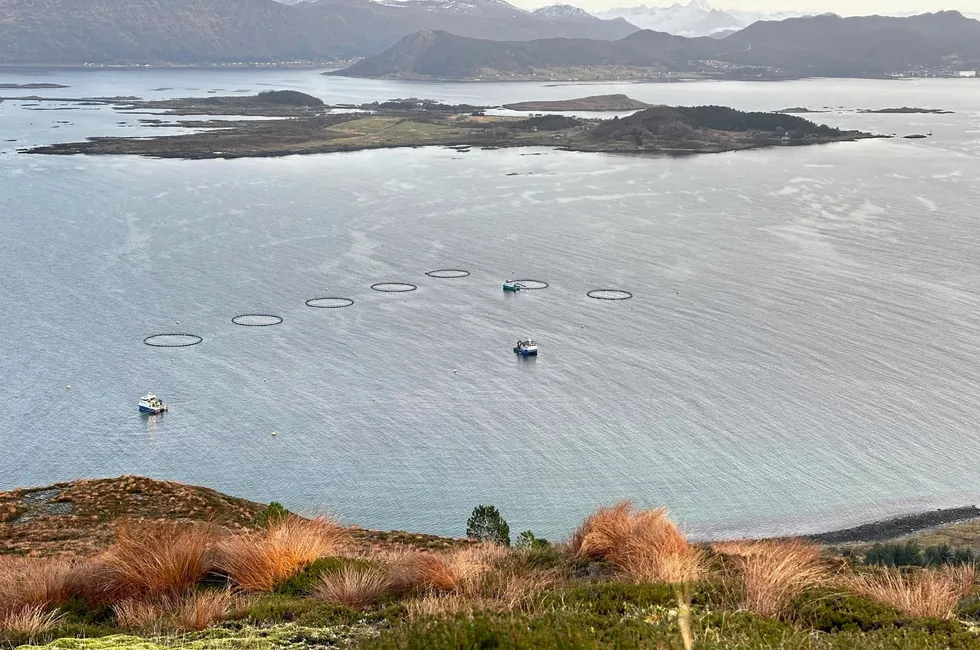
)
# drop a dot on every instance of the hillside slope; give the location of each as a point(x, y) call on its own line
point(218, 31)
point(797, 47)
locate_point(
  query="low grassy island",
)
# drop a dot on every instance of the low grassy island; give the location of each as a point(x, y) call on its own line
point(307, 127)
point(906, 110)
point(591, 103)
point(133, 563)
point(30, 86)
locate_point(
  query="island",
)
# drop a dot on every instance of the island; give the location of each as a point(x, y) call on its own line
point(307, 126)
point(595, 103)
point(800, 110)
point(30, 86)
point(906, 110)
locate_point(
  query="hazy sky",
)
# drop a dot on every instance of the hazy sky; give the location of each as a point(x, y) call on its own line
point(843, 7)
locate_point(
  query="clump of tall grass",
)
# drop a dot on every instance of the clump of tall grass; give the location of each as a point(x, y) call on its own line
point(932, 593)
point(141, 615)
point(199, 610)
point(159, 558)
point(259, 560)
point(643, 544)
point(353, 586)
point(27, 622)
point(459, 571)
point(646, 546)
point(36, 582)
point(775, 572)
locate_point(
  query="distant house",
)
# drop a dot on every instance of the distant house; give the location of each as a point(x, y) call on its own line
point(966, 73)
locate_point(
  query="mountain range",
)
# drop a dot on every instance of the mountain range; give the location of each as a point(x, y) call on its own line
point(220, 31)
point(826, 45)
point(696, 18)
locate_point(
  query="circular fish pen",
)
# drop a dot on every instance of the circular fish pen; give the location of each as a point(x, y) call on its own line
point(172, 340)
point(609, 294)
point(530, 285)
point(447, 274)
point(256, 320)
point(394, 287)
point(329, 302)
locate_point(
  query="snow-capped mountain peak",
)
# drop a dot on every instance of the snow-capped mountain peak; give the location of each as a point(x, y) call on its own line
point(563, 12)
point(696, 18)
point(464, 6)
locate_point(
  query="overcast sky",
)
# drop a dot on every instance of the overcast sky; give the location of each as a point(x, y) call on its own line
point(843, 7)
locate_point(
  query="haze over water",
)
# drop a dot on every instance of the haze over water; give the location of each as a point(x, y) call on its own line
point(800, 352)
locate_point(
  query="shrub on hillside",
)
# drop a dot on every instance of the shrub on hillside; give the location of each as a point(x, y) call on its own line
point(486, 525)
point(828, 611)
point(273, 514)
point(611, 598)
point(910, 554)
point(527, 540)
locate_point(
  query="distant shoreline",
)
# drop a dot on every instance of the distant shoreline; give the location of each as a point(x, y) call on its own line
point(894, 528)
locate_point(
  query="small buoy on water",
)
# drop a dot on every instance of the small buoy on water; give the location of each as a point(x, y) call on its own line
point(178, 322)
point(455, 371)
point(68, 387)
point(273, 434)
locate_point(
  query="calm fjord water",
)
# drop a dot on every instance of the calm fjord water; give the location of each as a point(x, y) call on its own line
point(801, 351)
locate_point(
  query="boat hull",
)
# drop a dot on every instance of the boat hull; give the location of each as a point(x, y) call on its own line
point(526, 353)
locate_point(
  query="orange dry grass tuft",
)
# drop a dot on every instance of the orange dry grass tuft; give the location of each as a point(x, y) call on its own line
point(932, 593)
point(257, 561)
point(644, 544)
point(37, 582)
point(28, 621)
point(516, 590)
point(199, 610)
point(353, 587)
point(139, 615)
point(774, 573)
point(159, 558)
point(458, 571)
point(441, 606)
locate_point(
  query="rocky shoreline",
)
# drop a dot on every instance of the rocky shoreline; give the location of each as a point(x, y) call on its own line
point(897, 527)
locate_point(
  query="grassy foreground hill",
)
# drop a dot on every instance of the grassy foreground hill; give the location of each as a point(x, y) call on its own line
point(187, 567)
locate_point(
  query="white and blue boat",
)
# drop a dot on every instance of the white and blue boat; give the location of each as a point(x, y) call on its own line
point(526, 348)
point(151, 404)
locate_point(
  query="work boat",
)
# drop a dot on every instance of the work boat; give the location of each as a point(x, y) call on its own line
point(152, 404)
point(513, 286)
point(526, 348)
